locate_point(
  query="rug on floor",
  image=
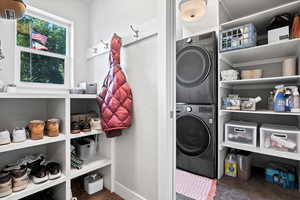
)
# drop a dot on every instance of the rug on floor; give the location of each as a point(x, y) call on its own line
point(190, 186)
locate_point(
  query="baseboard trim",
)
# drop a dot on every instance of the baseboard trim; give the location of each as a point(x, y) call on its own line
point(126, 193)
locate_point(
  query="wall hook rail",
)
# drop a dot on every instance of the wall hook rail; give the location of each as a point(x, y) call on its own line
point(136, 32)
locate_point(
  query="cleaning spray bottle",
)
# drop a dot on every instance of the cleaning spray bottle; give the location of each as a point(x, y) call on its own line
point(279, 99)
point(296, 100)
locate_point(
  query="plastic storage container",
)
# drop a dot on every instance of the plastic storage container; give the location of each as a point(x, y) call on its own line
point(93, 183)
point(36, 128)
point(279, 138)
point(238, 38)
point(52, 127)
point(86, 149)
point(239, 132)
point(244, 159)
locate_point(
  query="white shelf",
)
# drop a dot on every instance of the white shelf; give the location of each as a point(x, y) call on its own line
point(34, 188)
point(281, 154)
point(83, 96)
point(31, 143)
point(281, 79)
point(274, 50)
point(98, 163)
point(263, 112)
point(32, 96)
point(85, 134)
point(261, 19)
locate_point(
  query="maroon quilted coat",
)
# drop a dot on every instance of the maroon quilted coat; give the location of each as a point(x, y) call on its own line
point(115, 99)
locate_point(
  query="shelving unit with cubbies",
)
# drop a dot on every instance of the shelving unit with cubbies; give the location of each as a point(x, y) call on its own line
point(18, 109)
point(263, 56)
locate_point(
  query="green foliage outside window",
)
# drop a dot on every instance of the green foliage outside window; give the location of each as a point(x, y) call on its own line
point(37, 68)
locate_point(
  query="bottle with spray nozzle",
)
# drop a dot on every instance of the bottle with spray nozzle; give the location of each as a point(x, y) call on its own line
point(279, 99)
point(296, 100)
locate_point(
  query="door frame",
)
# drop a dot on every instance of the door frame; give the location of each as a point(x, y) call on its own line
point(167, 99)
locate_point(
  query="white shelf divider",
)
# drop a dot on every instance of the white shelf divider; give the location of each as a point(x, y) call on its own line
point(262, 112)
point(34, 188)
point(280, 154)
point(281, 79)
point(31, 143)
point(86, 134)
point(285, 48)
point(97, 163)
point(83, 96)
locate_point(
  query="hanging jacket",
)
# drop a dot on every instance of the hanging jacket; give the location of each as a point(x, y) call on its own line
point(115, 99)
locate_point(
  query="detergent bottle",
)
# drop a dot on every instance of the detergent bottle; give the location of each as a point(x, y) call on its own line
point(279, 99)
point(231, 165)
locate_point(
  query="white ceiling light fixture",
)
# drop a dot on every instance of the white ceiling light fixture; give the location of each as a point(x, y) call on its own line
point(192, 10)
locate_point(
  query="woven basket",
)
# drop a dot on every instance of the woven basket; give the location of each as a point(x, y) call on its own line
point(36, 128)
point(52, 127)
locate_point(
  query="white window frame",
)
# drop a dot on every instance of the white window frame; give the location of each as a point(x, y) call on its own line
point(69, 57)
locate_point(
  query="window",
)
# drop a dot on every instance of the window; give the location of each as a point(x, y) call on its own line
point(43, 50)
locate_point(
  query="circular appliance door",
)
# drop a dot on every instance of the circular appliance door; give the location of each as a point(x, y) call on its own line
point(192, 135)
point(193, 66)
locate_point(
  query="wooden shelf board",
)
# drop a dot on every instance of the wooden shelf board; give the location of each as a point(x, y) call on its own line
point(34, 188)
point(31, 143)
point(98, 163)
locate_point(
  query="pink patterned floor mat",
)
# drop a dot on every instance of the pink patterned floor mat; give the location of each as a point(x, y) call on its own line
point(195, 187)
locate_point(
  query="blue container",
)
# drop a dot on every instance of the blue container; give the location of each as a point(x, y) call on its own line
point(286, 180)
point(238, 38)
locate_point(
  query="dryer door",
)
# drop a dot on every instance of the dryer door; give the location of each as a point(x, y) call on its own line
point(193, 66)
point(193, 135)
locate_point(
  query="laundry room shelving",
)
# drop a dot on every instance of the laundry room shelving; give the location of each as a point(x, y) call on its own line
point(18, 109)
point(264, 56)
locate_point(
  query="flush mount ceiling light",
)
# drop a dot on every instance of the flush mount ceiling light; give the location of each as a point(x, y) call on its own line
point(192, 10)
point(12, 9)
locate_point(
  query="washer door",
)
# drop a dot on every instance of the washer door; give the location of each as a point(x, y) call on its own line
point(192, 136)
point(193, 66)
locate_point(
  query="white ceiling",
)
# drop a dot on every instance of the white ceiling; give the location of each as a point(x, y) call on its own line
point(240, 8)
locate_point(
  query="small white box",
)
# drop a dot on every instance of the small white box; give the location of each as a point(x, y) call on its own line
point(279, 138)
point(93, 183)
point(238, 132)
point(279, 34)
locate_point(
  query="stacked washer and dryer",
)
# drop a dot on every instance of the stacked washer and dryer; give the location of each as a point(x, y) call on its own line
point(196, 137)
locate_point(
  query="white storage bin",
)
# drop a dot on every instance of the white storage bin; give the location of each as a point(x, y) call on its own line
point(279, 138)
point(239, 132)
point(93, 183)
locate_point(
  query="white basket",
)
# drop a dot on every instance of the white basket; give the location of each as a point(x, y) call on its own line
point(243, 133)
point(280, 138)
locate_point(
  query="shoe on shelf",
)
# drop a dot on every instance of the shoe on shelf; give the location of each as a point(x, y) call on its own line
point(30, 162)
point(75, 127)
point(84, 126)
point(54, 170)
point(5, 184)
point(20, 179)
point(39, 174)
point(19, 135)
point(4, 137)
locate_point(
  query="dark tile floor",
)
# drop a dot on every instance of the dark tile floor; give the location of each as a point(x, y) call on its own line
point(255, 189)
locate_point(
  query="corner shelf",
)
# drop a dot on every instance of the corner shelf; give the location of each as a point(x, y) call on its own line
point(34, 188)
point(86, 134)
point(31, 143)
point(97, 163)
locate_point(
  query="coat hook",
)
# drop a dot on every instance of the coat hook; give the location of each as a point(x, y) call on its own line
point(95, 50)
point(136, 32)
point(106, 44)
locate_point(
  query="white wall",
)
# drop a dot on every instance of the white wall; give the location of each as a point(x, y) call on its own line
point(208, 23)
point(74, 10)
point(136, 150)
